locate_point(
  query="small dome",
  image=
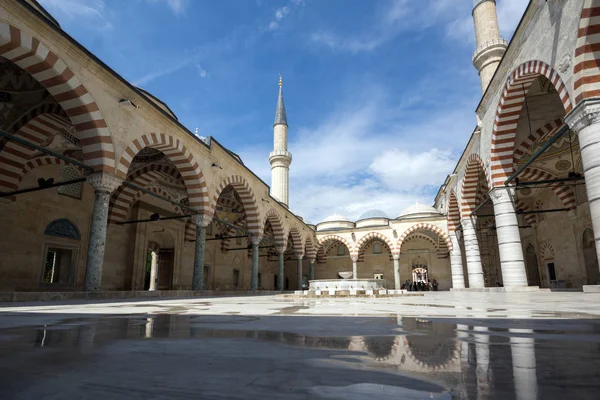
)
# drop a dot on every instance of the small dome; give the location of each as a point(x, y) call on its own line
point(373, 214)
point(419, 209)
point(336, 217)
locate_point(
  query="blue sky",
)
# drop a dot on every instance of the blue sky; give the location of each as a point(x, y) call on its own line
point(380, 95)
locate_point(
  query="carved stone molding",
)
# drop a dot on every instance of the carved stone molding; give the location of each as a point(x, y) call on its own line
point(104, 182)
point(585, 114)
point(201, 220)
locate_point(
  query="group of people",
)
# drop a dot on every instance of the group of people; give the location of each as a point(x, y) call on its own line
point(421, 286)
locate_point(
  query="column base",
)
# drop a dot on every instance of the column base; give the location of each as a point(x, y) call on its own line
point(591, 288)
point(502, 289)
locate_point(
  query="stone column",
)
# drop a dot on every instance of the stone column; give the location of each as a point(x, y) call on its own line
point(281, 277)
point(311, 269)
point(299, 272)
point(153, 269)
point(458, 278)
point(254, 273)
point(397, 284)
point(523, 362)
point(355, 267)
point(584, 120)
point(103, 184)
point(198, 277)
point(474, 267)
point(512, 261)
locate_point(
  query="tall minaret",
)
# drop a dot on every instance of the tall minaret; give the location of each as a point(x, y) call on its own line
point(280, 158)
point(490, 46)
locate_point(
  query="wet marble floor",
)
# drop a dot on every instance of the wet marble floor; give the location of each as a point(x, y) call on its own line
point(440, 346)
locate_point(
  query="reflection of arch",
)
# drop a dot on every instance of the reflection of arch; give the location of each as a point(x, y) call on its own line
point(381, 347)
point(375, 236)
point(275, 220)
point(63, 228)
point(586, 72)
point(429, 227)
point(51, 72)
point(509, 110)
point(248, 201)
point(180, 156)
point(453, 212)
point(435, 349)
point(471, 184)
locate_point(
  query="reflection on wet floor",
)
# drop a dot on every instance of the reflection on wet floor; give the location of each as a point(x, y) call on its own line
point(111, 357)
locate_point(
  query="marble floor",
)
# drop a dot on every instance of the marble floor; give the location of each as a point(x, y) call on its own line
point(439, 346)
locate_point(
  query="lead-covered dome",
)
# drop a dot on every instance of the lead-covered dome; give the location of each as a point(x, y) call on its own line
point(373, 214)
point(419, 210)
point(335, 217)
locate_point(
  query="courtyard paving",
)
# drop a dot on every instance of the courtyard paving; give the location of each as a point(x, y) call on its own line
point(438, 346)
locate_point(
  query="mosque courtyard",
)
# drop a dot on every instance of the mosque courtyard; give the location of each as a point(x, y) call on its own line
point(441, 345)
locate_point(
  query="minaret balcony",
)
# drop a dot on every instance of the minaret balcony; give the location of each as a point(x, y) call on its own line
point(280, 157)
point(492, 49)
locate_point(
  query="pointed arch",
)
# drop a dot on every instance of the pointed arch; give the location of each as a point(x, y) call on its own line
point(121, 204)
point(565, 194)
point(190, 231)
point(61, 82)
point(471, 184)
point(278, 231)
point(429, 227)
point(180, 156)
point(323, 241)
point(547, 130)
point(586, 70)
point(509, 110)
point(248, 201)
point(547, 251)
point(453, 212)
point(297, 243)
point(376, 236)
point(310, 250)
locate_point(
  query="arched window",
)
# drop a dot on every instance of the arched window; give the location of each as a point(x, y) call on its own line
point(377, 248)
point(61, 256)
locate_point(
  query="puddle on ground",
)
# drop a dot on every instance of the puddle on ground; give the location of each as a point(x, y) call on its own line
point(233, 356)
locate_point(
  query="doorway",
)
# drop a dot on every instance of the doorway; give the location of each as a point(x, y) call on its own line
point(590, 257)
point(531, 264)
point(166, 259)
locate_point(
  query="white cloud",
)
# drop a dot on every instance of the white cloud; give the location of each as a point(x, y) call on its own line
point(201, 71)
point(176, 6)
point(281, 13)
point(160, 73)
point(79, 10)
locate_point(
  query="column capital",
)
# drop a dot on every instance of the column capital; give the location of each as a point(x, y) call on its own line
point(354, 258)
point(585, 114)
point(280, 249)
point(256, 239)
point(502, 194)
point(201, 220)
point(104, 182)
point(396, 257)
point(469, 221)
point(299, 256)
point(312, 260)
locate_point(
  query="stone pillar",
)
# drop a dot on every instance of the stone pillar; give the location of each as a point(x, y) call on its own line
point(299, 271)
point(474, 267)
point(584, 120)
point(523, 362)
point(355, 267)
point(397, 284)
point(198, 277)
point(153, 269)
point(458, 278)
point(510, 249)
point(103, 184)
point(254, 273)
point(281, 277)
point(311, 269)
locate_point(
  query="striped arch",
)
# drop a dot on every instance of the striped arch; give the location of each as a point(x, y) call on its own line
point(453, 212)
point(326, 239)
point(14, 156)
point(509, 110)
point(547, 251)
point(470, 184)
point(147, 173)
point(416, 236)
point(275, 220)
point(310, 250)
point(180, 156)
point(51, 72)
point(565, 194)
point(529, 218)
point(246, 194)
point(376, 236)
point(423, 226)
point(297, 243)
point(46, 108)
point(190, 231)
point(42, 162)
point(118, 211)
point(547, 130)
point(321, 255)
point(586, 70)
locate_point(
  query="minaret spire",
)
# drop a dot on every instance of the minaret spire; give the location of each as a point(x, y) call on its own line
point(280, 158)
point(490, 46)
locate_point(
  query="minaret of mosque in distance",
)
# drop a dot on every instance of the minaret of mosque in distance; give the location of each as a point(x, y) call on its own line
point(490, 46)
point(280, 158)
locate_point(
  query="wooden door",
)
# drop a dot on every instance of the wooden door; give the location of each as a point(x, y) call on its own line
point(166, 259)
